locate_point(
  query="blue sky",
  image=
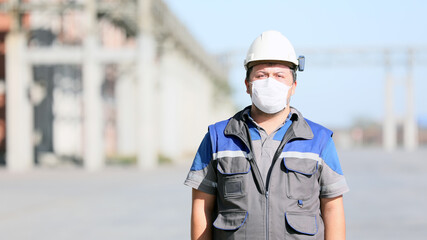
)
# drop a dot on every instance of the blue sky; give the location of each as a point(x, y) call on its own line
point(334, 95)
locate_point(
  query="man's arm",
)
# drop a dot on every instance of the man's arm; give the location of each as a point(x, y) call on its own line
point(333, 217)
point(201, 215)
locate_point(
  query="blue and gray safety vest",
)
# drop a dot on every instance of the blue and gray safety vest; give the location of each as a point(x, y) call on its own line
point(286, 204)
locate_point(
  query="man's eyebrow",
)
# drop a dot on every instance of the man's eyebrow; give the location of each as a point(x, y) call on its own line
point(283, 71)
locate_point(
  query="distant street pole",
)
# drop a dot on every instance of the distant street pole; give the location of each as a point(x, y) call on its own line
point(389, 124)
point(410, 122)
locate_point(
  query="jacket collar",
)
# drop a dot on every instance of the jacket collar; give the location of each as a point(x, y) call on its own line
point(237, 125)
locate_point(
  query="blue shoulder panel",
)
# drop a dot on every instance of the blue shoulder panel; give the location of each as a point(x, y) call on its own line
point(321, 135)
point(330, 157)
point(203, 155)
point(221, 142)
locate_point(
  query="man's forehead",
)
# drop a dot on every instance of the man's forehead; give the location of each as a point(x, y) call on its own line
point(268, 66)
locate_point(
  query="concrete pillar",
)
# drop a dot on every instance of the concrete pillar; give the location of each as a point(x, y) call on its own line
point(93, 156)
point(389, 125)
point(168, 101)
point(146, 50)
point(19, 111)
point(126, 98)
point(410, 137)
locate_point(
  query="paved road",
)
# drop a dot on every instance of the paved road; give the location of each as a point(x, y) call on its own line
point(388, 196)
point(388, 200)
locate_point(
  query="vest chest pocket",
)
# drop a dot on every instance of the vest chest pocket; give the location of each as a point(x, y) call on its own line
point(232, 175)
point(301, 226)
point(230, 225)
point(301, 177)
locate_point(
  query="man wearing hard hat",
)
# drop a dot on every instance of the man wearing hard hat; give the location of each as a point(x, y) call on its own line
point(268, 173)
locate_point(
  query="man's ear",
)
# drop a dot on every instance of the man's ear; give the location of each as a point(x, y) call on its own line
point(248, 90)
point(294, 85)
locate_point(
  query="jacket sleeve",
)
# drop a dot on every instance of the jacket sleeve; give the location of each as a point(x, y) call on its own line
point(332, 180)
point(202, 174)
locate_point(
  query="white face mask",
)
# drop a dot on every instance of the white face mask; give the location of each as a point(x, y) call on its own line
point(269, 95)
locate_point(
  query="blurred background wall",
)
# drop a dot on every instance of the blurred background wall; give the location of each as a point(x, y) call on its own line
point(124, 81)
point(90, 82)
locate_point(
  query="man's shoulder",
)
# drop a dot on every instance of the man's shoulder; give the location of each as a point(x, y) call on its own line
point(316, 125)
point(236, 117)
point(220, 125)
point(319, 131)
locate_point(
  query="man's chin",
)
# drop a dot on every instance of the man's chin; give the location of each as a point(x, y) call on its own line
point(269, 114)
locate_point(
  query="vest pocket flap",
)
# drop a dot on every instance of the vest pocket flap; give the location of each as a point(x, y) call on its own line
point(304, 166)
point(230, 220)
point(305, 224)
point(231, 166)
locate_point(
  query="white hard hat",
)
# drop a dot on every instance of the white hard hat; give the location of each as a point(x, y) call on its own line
point(271, 46)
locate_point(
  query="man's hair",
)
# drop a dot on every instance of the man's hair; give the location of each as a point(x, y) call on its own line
point(249, 71)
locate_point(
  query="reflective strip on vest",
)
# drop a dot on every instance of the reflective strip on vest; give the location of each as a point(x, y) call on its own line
point(306, 155)
point(222, 154)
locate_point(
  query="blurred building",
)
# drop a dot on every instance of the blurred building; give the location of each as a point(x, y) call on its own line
point(369, 134)
point(118, 80)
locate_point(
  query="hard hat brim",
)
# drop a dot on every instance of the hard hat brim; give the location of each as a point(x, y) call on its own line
point(286, 63)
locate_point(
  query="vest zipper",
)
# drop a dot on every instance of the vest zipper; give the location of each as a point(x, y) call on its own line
point(267, 186)
point(267, 215)
point(258, 178)
point(256, 171)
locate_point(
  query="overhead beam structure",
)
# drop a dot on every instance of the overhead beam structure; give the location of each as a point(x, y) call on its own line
point(138, 18)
